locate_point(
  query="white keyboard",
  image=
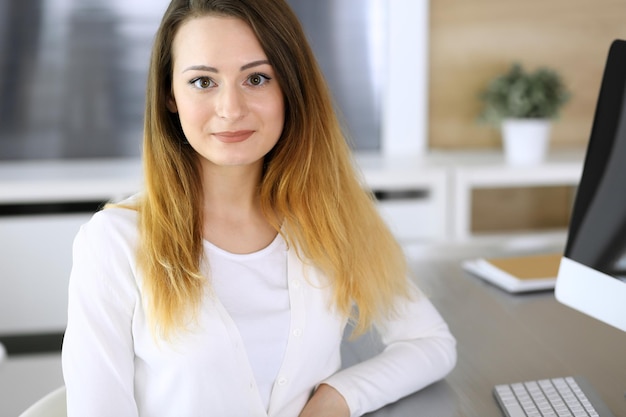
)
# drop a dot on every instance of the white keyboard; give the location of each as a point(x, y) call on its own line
point(556, 397)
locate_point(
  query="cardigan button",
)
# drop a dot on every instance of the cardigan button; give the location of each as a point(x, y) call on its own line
point(297, 332)
point(282, 380)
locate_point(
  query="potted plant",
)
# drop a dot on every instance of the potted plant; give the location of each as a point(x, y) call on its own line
point(524, 104)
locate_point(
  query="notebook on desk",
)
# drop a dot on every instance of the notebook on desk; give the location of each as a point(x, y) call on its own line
point(517, 273)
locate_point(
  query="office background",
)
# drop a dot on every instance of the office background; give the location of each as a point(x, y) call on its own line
point(469, 42)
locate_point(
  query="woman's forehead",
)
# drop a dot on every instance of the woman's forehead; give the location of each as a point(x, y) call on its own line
point(216, 41)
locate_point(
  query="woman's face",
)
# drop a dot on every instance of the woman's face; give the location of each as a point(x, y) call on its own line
point(225, 91)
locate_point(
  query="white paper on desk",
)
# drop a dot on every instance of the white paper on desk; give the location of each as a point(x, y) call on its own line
point(483, 269)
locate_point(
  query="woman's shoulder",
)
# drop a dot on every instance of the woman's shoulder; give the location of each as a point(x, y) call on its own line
point(104, 255)
point(114, 221)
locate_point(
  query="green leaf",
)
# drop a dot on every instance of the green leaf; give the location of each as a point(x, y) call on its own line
point(521, 94)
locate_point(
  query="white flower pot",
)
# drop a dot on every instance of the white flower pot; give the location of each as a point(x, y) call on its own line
point(525, 141)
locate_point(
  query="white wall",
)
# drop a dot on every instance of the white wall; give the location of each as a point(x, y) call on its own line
point(405, 118)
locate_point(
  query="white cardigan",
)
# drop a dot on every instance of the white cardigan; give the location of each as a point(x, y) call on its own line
point(113, 366)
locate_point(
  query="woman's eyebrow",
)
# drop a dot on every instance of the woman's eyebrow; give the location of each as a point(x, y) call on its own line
point(254, 64)
point(201, 68)
point(215, 70)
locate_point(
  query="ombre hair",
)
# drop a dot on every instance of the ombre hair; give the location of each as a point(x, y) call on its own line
point(309, 190)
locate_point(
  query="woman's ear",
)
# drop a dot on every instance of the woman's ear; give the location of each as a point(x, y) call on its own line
point(171, 104)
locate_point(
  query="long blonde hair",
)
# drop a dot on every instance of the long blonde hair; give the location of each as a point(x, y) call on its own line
point(309, 189)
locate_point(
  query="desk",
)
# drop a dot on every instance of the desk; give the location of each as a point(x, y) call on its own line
point(506, 338)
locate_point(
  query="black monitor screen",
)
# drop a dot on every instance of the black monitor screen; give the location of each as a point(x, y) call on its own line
point(597, 235)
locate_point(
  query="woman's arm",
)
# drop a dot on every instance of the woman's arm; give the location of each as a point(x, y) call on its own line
point(97, 352)
point(419, 350)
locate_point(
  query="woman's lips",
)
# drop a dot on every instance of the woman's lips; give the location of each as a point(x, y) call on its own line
point(233, 137)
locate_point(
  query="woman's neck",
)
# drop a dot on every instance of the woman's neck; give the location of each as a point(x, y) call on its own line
point(232, 215)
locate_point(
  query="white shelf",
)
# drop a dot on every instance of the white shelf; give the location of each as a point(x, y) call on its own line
point(446, 180)
point(69, 180)
point(418, 216)
point(451, 177)
point(560, 169)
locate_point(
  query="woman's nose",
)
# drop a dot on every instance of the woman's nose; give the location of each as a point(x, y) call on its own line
point(230, 104)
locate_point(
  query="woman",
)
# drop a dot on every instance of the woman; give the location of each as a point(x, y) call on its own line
point(224, 288)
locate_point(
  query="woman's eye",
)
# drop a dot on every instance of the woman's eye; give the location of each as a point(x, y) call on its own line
point(202, 83)
point(258, 79)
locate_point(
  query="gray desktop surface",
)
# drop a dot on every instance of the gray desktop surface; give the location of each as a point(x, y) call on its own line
point(504, 338)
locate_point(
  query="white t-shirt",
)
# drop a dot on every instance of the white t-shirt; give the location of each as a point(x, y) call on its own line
point(253, 289)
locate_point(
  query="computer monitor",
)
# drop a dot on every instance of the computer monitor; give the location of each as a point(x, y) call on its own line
point(592, 275)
